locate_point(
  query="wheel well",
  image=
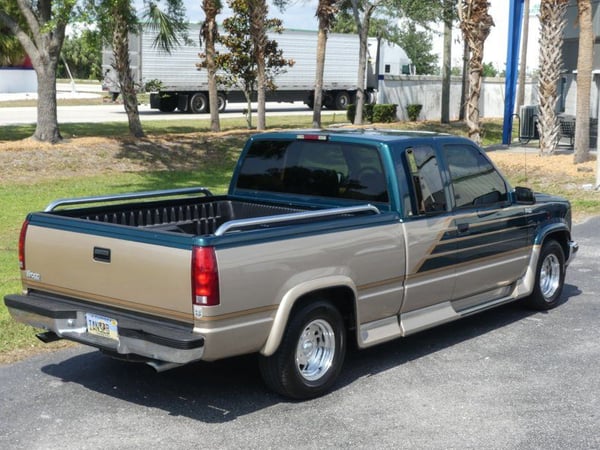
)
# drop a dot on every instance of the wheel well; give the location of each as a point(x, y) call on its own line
point(341, 297)
point(562, 237)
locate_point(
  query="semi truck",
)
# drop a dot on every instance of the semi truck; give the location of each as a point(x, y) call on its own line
point(184, 87)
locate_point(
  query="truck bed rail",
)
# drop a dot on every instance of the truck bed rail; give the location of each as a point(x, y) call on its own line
point(129, 196)
point(256, 222)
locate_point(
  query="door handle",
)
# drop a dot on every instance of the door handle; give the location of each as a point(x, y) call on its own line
point(462, 227)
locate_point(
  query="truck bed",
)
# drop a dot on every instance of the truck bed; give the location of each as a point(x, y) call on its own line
point(193, 216)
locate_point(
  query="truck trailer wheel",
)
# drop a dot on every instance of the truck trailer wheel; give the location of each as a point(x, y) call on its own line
point(198, 103)
point(342, 100)
point(221, 102)
point(549, 277)
point(310, 356)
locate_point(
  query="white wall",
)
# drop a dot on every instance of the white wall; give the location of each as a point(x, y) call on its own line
point(427, 91)
point(17, 80)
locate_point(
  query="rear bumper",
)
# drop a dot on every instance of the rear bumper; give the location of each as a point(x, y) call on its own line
point(141, 336)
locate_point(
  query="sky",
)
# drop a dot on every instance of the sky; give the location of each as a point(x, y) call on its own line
point(300, 14)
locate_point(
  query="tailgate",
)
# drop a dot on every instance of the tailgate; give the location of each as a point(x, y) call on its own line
point(138, 270)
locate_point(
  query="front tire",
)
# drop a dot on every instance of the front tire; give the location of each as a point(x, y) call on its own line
point(549, 277)
point(311, 354)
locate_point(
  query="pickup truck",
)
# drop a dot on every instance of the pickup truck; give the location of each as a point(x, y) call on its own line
point(324, 238)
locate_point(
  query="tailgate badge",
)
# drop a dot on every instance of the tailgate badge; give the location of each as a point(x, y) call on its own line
point(34, 276)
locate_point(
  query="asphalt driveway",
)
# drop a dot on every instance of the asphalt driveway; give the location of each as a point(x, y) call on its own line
point(505, 379)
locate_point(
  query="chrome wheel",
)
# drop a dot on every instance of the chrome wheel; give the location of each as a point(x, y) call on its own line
point(311, 354)
point(315, 350)
point(550, 276)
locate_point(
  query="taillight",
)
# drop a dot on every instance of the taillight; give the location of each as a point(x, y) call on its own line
point(205, 277)
point(22, 245)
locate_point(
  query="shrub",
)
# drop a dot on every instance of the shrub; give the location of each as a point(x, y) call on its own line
point(413, 111)
point(384, 113)
point(373, 113)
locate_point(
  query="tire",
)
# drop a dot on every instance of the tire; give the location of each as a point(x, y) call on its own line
point(549, 278)
point(221, 102)
point(342, 100)
point(311, 354)
point(198, 103)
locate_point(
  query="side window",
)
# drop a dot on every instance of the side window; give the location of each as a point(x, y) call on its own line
point(475, 181)
point(425, 180)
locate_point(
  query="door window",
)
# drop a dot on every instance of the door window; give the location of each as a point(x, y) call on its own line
point(475, 181)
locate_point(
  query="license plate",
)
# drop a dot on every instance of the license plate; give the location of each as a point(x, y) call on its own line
point(102, 326)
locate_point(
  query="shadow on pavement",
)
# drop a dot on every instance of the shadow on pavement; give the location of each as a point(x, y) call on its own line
point(222, 391)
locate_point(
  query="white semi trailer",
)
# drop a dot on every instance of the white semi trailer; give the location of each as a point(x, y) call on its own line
point(185, 88)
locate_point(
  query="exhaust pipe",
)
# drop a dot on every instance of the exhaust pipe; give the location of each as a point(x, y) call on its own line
point(48, 336)
point(162, 366)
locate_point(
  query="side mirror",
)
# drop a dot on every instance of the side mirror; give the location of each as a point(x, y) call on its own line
point(524, 196)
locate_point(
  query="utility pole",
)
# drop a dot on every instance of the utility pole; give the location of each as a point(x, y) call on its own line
point(523, 62)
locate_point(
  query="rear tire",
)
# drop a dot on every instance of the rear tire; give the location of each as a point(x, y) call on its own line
point(311, 354)
point(221, 102)
point(342, 100)
point(198, 103)
point(549, 278)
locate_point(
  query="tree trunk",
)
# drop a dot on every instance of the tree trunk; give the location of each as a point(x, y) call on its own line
point(552, 23)
point(120, 44)
point(209, 29)
point(447, 62)
point(248, 95)
point(41, 33)
point(258, 12)
point(318, 99)
point(465, 82)
point(475, 25)
point(584, 81)
point(47, 129)
point(363, 36)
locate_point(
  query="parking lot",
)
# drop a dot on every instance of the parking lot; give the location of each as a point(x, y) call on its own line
point(508, 378)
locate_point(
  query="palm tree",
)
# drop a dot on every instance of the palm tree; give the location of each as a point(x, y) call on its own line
point(209, 31)
point(585, 58)
point(475, 23)
point(362, 26)
point(124, 16)
point(326, 10)
point(118, 19)
point(447, 17)
point(552, 24)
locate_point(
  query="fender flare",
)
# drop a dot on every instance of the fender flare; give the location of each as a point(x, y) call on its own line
point(289, 300)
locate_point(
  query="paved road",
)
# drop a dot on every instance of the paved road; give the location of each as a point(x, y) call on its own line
point(505, 379)
point(116, 113)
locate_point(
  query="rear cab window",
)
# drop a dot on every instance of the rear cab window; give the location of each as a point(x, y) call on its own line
point(418, 167)
point(338, 170)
